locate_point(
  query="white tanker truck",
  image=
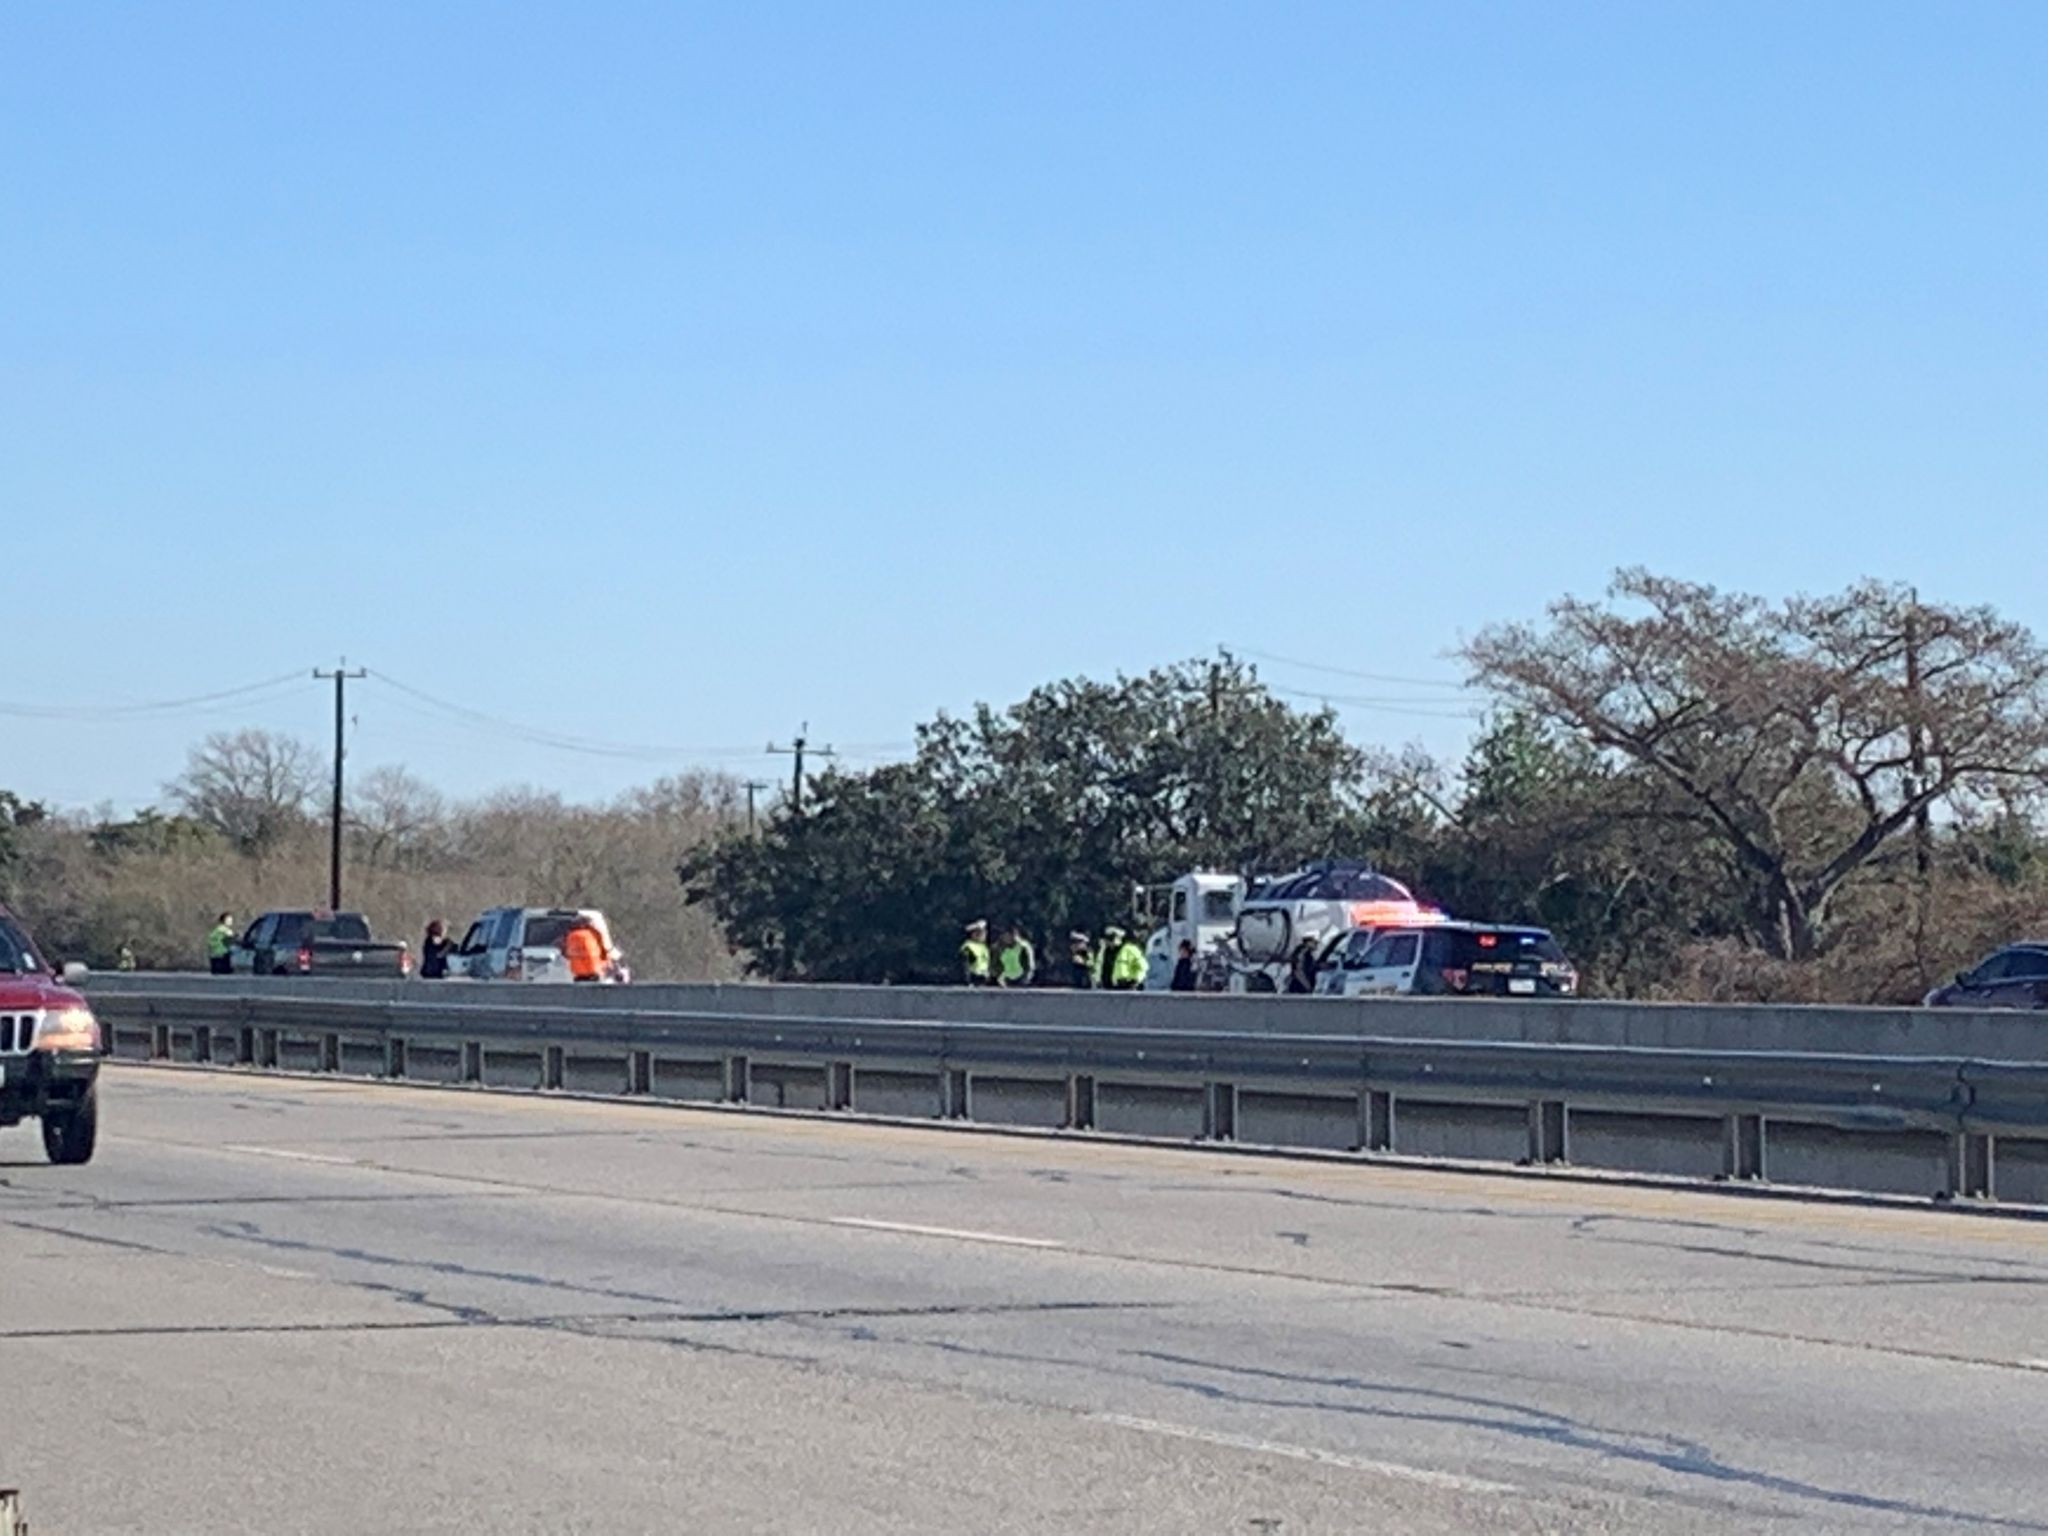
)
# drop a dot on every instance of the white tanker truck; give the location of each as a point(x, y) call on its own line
point(1246, 931)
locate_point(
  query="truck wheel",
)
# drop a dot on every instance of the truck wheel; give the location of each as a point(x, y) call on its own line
point(69, 1136)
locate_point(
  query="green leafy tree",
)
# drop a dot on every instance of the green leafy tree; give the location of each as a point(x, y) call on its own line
point(1049, 814)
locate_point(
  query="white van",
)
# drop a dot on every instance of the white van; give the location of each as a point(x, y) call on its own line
point(1449, 960)
point(525, 944)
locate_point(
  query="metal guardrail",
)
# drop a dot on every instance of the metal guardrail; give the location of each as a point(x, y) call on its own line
point(1900, 1121)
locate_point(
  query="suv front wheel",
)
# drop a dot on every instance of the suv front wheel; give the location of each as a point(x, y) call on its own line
point(69, 1134)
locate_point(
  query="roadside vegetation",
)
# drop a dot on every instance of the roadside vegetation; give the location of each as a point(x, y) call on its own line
point(1703, 794)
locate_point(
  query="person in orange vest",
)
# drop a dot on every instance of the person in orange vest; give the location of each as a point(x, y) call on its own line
point(584, 951)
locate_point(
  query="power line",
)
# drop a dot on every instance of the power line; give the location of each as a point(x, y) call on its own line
point(535, 735)
point(156, 708)
point(1371, 677)
point(1381, 706)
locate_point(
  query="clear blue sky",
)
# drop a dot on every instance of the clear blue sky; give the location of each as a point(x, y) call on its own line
point(675, 373)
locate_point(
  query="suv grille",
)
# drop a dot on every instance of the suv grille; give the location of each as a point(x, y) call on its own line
point(17, 1033)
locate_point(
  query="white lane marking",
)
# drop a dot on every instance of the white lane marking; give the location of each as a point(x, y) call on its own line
point(1450, 1480)
point(296, 1157)
point(954, 1232)
point(2032, 1365)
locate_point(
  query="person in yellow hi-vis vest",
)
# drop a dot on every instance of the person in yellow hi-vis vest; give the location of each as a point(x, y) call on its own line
point(1127, 966)
point(974, 955)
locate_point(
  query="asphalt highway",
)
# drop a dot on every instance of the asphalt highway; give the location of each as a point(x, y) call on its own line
point(281, 1306)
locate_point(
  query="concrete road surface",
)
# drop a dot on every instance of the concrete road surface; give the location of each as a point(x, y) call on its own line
point(277, 1306)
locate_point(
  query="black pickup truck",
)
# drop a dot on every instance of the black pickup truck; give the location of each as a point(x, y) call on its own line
point(313, 943)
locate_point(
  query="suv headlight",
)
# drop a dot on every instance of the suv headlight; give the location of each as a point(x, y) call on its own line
point(68, 1029)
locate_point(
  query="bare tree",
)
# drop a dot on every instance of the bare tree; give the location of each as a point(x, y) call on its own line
point(250, 786)
point(395, 818)
point(1805, 736)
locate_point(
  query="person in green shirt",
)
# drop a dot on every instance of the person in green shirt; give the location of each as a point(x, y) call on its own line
point(974, 955)
point(1016, 961)
point(219, 941)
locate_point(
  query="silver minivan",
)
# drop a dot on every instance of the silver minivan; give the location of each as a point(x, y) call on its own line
point(525, 944)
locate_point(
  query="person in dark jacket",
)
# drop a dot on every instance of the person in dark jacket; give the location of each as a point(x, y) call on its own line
point(1301, 973)
point(1184, 969)
point(434, 952)
point(1080, 961)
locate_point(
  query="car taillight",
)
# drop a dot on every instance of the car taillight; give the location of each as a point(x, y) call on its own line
point(405, 962)
point(305, 958)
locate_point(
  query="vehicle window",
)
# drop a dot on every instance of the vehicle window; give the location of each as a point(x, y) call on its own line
point(507, 931)
point(1379, 950)
point(1180, 907)
point(252, 936)
point(1355, 951)
point(1218, 906)
point(1401, 949)
point(1464, 948)
point(290, 930)
point(1995, 968)
point(17, 953)
point(349, 927)
point(2027, 964)
point(476, 941)
point(546, 930)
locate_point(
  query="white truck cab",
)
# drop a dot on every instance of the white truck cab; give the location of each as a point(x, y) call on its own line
point(1201, 909)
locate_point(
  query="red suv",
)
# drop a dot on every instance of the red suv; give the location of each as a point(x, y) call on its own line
point(49, 1050)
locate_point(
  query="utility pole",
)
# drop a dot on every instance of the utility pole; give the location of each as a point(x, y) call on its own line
point(1916, 742)
point(1916, 754)
point(341, 676)
point(753, 787)
point(796, 749)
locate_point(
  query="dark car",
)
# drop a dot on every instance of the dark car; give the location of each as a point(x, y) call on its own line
point(2013, 977)
point(49, 1050)
point(310, 943)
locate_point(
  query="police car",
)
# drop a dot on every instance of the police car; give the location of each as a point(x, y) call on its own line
point(49, 1048)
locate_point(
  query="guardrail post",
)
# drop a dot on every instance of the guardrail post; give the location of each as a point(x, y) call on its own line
point(551, 1073)
point(394, 1056)
point(330, 1052)
point(956, 1095)
point(1219, 1117)
point(266, 1048)
point(640, 1072)
point(202, 1042)
point(1972, 1165)
point(245, 1047)
point(1549, 1132)
point(1081, 1101)
point(1744, 1157)
point(472, 1061)
point(839, 1085)
point(739, 1078)
point(1375, 1121)
point(160, 1042)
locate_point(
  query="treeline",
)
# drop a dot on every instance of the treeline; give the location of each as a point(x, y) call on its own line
point(1704, 794)
point(241, 829)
